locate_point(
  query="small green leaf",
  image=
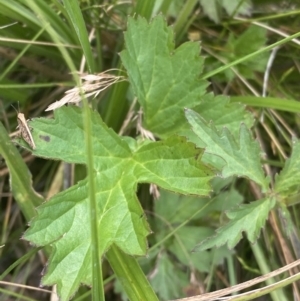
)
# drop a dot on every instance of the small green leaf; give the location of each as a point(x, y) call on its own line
point(237, 6)
point(242, 158)
point(249, 218)
point(214, 8)
point(288, 181)
point(173, 164)
point(241, 49)
point(176, 208)
point(184, 241)
point(248, 42)
point(168, 280)
point(164, 79)
point(172, 210)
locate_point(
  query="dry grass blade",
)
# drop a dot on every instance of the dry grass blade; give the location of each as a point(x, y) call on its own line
point(215, 295)
point(25, 286)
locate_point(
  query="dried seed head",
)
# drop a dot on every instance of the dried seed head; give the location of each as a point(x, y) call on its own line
point(92, 85)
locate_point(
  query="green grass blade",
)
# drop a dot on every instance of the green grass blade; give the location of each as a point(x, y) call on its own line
point(97, 287)
point(129, 272)
point(164, 7)
point(184, 19)
point(117, 106)
point(18, 12)
point(19, 56)
point(249, 56)
point(78, 24)
point(269, 103)
point(144, 8)
point(262, 262)
point(19, 262)
point(20, 178)
point(57, 23)
point(15, 295)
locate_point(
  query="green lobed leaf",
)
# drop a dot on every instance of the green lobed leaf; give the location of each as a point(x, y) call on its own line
point(242, 158)
point(173, 164)
point(223, 113)
point(288, 181)
point(249, 218)
point(164, 79)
